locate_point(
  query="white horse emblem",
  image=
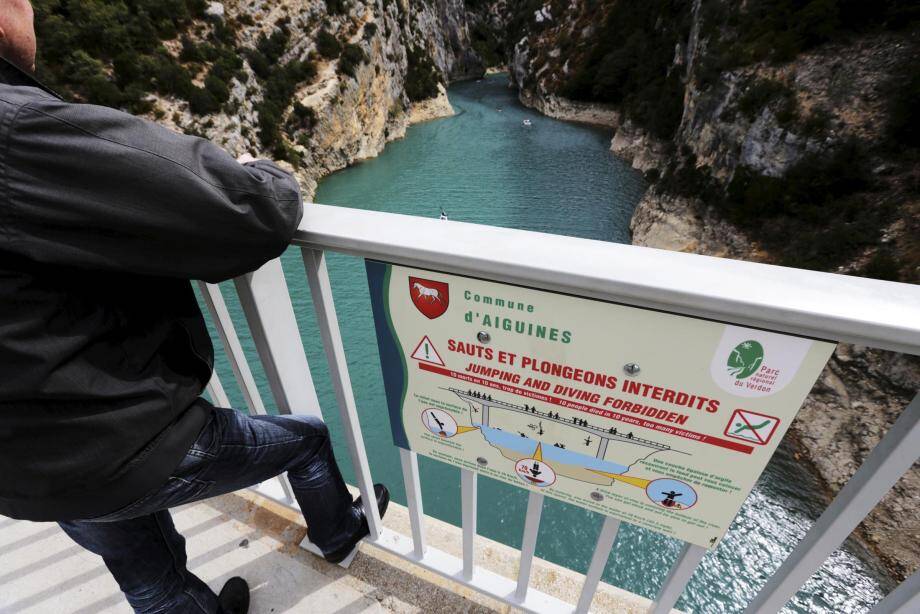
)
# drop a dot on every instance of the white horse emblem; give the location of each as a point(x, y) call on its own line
point(426, 293)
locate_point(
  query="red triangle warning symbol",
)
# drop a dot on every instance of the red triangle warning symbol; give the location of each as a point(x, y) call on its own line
point(425, 352)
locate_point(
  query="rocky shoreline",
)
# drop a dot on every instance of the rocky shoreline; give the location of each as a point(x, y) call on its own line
point(857, 397)
point(432, 108)
point(352, 115)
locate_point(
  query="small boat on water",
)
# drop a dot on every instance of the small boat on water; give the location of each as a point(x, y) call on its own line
point(443, 215)
point(527, 122)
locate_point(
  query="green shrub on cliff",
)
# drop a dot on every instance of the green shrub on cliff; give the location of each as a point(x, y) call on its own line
point(337, 7)
point(740, 33)
point(630, 64)
point(352, 57)
point(817, 215)
point(422, 77)
point(328, 45)
point(764, 92)
point(202, 102)
point(486, 45)
point(110, 52)
point(904, 108)
point(217, 88)
point(370, 29)
point(274, 45)
point(882, 265)
point(278, 92)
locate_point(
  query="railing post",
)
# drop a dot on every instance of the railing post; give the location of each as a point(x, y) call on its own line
point(468, 520)
point(214, 300)
point(409, 461)
point(216, 391)
point(529, 543)
point(321, 289)
point(890, 459)
point(598, 562)
point(267, 305)
point(681, 572)
point(903, 600)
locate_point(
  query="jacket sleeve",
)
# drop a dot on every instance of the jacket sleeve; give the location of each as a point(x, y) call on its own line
point(92, 187)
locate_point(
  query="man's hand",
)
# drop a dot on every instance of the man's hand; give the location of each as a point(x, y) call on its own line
point(246, 157)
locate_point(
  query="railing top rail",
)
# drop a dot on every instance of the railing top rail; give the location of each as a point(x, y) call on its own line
point(879, 314)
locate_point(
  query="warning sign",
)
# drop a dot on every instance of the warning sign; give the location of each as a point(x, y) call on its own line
point(425, 351)
point(542, 390)
point(751, 426)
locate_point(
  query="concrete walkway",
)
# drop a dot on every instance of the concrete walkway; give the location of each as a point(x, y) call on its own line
point(244, 534)
point(43, 571)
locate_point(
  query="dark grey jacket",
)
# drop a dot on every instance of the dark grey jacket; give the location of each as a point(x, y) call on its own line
point(104, 218)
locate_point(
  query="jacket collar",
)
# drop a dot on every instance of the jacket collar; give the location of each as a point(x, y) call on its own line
point(10, 74)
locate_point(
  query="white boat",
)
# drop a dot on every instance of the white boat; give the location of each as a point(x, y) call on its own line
point(527, 122)
point(443, 215)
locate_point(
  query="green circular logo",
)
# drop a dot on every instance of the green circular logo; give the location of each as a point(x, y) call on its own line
point(745, 359)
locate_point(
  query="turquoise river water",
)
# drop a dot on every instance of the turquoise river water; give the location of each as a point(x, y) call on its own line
point(484, 165)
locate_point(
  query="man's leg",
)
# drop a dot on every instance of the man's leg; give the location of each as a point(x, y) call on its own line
point(146, 555)
point(252, 449)
point(232, 451)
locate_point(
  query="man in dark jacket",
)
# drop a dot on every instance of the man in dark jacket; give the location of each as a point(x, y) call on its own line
point(104, 219)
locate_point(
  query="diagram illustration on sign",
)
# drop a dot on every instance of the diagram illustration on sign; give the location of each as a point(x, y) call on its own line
point(576, 447)
point(671, 494)
point(532, 388)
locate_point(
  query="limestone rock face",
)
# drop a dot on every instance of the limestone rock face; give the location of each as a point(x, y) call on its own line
point(572, 110)
point(353, 116)
point(862, 391)
point(635, 145)
point(433, 108)
point(215, 10)
point(665, 221)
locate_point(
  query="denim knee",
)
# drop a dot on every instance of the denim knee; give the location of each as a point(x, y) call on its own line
point(310, 426)
point(314, 432)
point(300, 425)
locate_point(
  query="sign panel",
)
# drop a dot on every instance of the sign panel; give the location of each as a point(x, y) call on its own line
point(660, 420)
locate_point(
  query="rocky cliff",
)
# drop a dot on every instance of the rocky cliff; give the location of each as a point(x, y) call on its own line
point(317, 84)
point(350, 117)
point(733, 133)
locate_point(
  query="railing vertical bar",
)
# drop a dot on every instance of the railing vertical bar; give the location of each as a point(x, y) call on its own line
point(598, 562)
point(409, 462)
point(216, 391)
point(903, 600)
point(328, 324)
point(681, 572)
point(890, 459)
point(214, 300)
point(468, 518)
point(529, 543)
point(265, 301)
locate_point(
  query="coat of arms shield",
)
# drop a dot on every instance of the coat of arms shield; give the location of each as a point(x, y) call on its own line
point(429, 297)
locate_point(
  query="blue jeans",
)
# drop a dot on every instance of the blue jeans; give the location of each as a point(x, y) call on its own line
point(140, 544)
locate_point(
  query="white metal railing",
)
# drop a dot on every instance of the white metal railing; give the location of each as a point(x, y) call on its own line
point(875, 313)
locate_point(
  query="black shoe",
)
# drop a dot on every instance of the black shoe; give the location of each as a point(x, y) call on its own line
point(234, 597)
point(383, 500)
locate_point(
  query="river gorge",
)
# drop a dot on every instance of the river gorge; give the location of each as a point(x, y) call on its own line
point(484, 165)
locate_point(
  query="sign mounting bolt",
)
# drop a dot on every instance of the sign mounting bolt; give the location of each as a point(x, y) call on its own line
point(631, 368)
point(483, 337)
